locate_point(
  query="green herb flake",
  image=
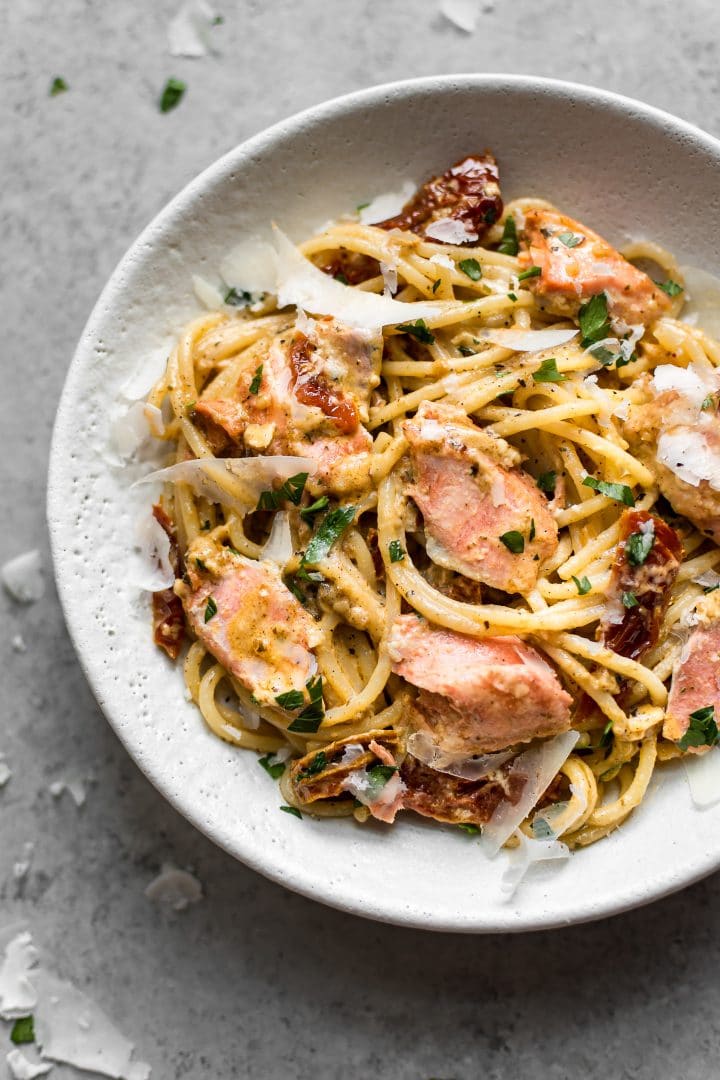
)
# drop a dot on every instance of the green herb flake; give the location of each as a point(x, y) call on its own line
point(532, 271)
point(318, 763)
point(619, 492)
point(201, 565)
point(594, 320)
point(362, 206)
point(471, 268)
point(419, 330)
point(708, 402)
point(531, 534)
point(395, 551)
point(328, 532)
point(172, 94)
point(583, 585)
point(210, 609)
point(469, 828)
point(465, 350)
point(629, 599)
point(436, 285)
point(380, 774)
point(514, 541)
point(605, 356)
point(217, 20)
point(342, 278)
point(570, 239)
point(292, 490)
point(291, 810)
point(23, 1030)
point(509, 242)
point(638, 546)
point(546, 482)
point(58, 86)
point(548, 372)
point(512, 296)
point(272, 768)
point(256, 380)
point(670, 287)
point(238, 298)
point(702, 729)
point(307, 513)
point(291, 700)
point(309, 720)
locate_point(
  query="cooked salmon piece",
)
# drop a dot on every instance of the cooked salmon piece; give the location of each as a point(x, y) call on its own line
point(456, 207)
point(696, 678)
point(483, 516)
point(249, 620)
point(576, 264)
point(310, 397)
point(668, 436)
point(477, 695)
point(632, 627)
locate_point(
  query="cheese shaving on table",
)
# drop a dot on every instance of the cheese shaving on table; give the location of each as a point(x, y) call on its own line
point(23, 577)
point(21, 1068)
point(189, 30)
point(462, 13)
point(174, 888)
point(18, 995)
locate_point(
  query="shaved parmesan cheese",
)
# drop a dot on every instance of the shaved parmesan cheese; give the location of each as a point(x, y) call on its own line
point(382, 797)
point(390, 278)
point(74, 788)
point(233, 482)
point(279, 546)
point(70, 1028)
point(174, 888)
point(702, 300)
point(703, 777)
point(425, 749)
point(710, 579)
point(692, 382)
point(443, 260)
point(18, 996)
point(251, 266)
point(450, 231)
point(208, 294)
point(131, 431)
point(351, 752)
point(538, 765)
point(525, 855)
point(149, 369)
point(387, 205)
point(188, 32)
point(22, 866)
point(302, 284)
point(528, 340)
point(5, 773)
point(152, 570)
point(462, 13)
point(688, 454)
point(21, 1068)
point(23, 577)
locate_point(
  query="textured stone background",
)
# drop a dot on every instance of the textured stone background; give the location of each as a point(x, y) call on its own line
point(255, 982)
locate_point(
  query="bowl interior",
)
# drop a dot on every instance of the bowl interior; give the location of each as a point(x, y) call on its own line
point(625, 169)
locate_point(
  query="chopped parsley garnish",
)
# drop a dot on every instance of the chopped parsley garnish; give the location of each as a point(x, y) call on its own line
point(606, 356)
point(708, 402)
point(702, 730)
point(238, 298)
point(514, 541)
point(272, 768)
point(619, 492)
point(471, 268)
point(210, 609)
point(419, 330)
point(23, 1030)
point(532, 271)
point(256, 380)
point(465, 350)
point(638, 546)
point(291, 810)
point(593, 319)
point(546, 481)
point(58, 86)
point(330, 529)
point(548, 372)
point(469, 828)
point(309, 720)
point(382, 773)
point(291, 700)
point(201, 565)
point(570, 239)
point(531, 534)
point(629, 599)
point(318, 763)
point(509, 242)
point(291, 490)
point(512, 296)
point(172, 94)
point(362, 206)
point(583, 585)
point(341, 278)
point(670, 287)
point(217, 20)
point(395, 551)
point(309, 512)
point(436, 284)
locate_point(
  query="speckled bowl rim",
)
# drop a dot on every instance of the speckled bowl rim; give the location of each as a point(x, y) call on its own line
point(253, 853)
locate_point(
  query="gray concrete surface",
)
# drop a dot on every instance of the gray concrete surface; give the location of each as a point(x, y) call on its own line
point(254, 981)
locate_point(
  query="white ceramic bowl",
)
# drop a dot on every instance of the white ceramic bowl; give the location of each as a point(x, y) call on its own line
point(624, 168)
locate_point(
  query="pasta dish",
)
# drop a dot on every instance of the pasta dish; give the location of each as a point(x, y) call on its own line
point(441, 516)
